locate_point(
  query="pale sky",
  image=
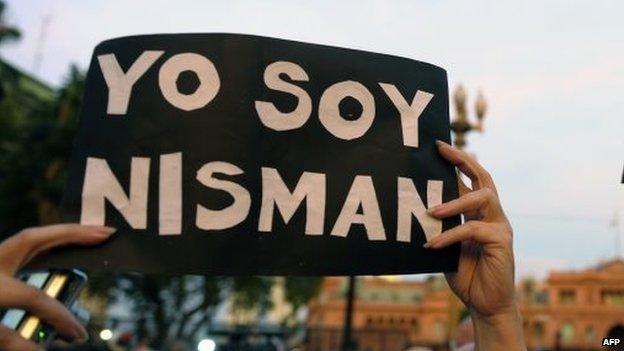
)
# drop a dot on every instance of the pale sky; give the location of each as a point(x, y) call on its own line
point(552, 72)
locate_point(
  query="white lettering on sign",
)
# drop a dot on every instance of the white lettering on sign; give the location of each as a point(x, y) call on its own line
point(232, 215)
point(120, 90)
point(170, 192)
point(411, 205)
point(329, 111)
point(119, 83)
point(360, 207)
point(100, 184)
point(409, 112)
point(269, 115)
point(311, 186)
point(206, 72)
point(362, 194)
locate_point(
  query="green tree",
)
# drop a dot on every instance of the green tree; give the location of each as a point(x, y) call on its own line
point(7, 32)
point(175, 308)
point(182, 307)
point(299, 290)
point(35, 143)
point(26, 113)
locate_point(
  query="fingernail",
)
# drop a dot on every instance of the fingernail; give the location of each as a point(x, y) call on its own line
point(427, 245)
point(81, 334)
point(440, 143)
point(107, 230)
point(433, 209)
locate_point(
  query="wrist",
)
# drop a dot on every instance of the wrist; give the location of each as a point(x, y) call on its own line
point(498, 331)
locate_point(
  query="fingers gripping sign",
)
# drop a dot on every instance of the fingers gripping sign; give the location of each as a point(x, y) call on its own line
point(485, 275)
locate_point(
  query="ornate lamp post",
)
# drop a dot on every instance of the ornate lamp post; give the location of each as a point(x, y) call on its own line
point(461, 125)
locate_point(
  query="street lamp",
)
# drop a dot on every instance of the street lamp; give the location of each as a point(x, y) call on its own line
point(348, 344)
point(461, 125)
point(206, 345)
point(106, 334)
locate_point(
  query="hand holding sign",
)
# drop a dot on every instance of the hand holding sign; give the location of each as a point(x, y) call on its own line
point(485, 277)
point(232, 154)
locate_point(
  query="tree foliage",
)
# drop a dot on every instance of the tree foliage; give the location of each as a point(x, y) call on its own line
point(7, 32)
point(35, 144)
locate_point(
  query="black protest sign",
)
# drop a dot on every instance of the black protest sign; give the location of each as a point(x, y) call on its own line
point(236, 154)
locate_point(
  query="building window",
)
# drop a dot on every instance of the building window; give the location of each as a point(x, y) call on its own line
point(613, 297)
point(541, 297)
point(590, 334)
point(567, 296)
point(538, 330)
point(567, 332)
point(415, 326)
point(439, 328)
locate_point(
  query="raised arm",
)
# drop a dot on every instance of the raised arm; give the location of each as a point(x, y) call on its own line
point(485, 277)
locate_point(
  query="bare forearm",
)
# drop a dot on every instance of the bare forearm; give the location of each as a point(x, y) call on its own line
point(499, 332)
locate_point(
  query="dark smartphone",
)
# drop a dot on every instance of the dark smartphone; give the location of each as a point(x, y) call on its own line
point(63, 285)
